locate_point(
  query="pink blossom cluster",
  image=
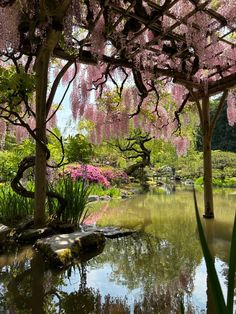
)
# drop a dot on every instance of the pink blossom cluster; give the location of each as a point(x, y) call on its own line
point(115, 176)
point(88, 172)
point(9, 21)
point(178, 93)
point(181, 145)
point(231, 109)
point(104, 176)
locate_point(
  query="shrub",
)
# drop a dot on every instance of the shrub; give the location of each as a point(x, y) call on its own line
point(100, 191)
point(218, 182)
point(89, 173)
point(115, 176)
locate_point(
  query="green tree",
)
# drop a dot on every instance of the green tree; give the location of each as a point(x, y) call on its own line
point(223, 135)
point(78, 149)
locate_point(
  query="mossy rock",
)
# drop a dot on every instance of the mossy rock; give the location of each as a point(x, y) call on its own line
point(62, 250)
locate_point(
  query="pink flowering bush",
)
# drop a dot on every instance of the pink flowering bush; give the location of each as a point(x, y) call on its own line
point(90, 173)
point(115, 176)
point(103, 176)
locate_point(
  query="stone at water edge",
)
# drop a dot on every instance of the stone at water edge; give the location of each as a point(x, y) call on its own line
point(62, 249)
point(4, 232)
point(105, 198)
point(93, 198)
point(26, 223)
point(110, 231)
point(31, 235)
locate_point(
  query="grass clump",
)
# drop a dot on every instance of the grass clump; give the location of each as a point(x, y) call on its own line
point(13, 207)
point(76, 194)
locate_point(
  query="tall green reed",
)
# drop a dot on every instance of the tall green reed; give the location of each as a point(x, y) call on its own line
point(220, 306)
point(76, 194)
point(13, 207)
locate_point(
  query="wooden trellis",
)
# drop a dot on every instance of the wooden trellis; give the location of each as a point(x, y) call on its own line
point(171, 38)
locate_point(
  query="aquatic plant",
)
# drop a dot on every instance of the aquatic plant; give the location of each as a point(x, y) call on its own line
point(76, 194)
point(218, 298)
point(13, 207)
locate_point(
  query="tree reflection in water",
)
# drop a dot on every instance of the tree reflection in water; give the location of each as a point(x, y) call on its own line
point(149, 273)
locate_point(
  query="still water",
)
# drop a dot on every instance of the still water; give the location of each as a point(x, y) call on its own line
point(152, 271)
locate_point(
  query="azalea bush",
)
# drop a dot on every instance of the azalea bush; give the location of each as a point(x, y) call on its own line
point(115, 176)
point(93, 174)
point(89, 173)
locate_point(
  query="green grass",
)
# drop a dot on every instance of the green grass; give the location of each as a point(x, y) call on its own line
point(99, 190)
point(13, 207)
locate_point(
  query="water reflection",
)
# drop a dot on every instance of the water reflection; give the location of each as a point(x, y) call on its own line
point(152, 271)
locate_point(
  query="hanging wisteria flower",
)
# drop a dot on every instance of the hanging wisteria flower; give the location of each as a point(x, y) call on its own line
point(231, 109)
point(181, 144)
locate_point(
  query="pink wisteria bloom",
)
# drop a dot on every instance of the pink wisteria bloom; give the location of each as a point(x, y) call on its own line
point(181, 145)
point(231, 109)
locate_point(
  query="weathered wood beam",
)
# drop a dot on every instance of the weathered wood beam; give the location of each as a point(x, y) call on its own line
point(152, 26)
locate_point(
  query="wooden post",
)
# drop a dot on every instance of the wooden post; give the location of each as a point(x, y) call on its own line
point(207, 162)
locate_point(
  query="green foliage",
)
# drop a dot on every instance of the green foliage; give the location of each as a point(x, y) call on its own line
point(78, 149)
point(8, 165)
point(105, 153)
point(15, 85)
point(76, 195)
point(13, 207)
point(223, 164)
point(54, 145)
point(9, 159)
point(217, 182)
point(99, 190)
point(223, 135)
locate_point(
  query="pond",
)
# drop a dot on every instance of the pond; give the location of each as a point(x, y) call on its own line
point(152, 271)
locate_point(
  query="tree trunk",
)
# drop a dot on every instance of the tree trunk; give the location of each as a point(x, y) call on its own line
point(56, 10)
point(41, 69)
point(207, 163)
point(40, 161)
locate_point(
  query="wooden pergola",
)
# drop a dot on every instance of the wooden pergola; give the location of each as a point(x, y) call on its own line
point(188, 42)
point(131, 20)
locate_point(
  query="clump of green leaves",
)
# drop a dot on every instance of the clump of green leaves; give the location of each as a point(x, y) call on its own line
point(15, 85)
point(78, 149)
point(76, 194)
point(13, 207)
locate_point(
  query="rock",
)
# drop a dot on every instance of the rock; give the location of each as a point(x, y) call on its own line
point(66, 228)
point(109, 232)
point(4, 232)
point(62, 227)
point(189, 182)
point(112, 233)
point(93, 198)
point(61, 250)
point(25, 224)
point(105, 198)
point(31, 235)
point(124, 196)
